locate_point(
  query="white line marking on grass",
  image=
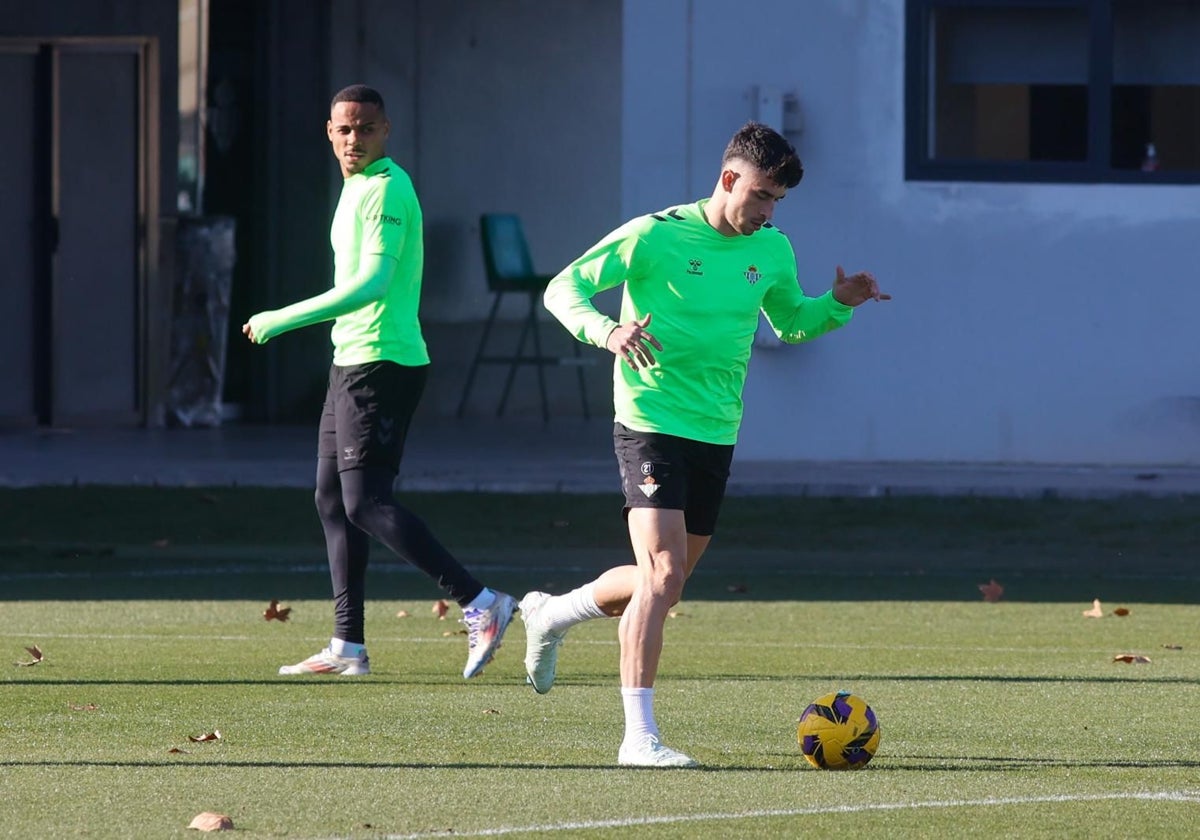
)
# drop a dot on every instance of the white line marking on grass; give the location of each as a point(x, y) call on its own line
point(135, 637)
point(200, 637)
point(575, 642)
point(631, 822)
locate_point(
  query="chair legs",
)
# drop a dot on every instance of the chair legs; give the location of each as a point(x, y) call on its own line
point(541, 360)
point(487, 329)
point(579, 363)
point(529, 326)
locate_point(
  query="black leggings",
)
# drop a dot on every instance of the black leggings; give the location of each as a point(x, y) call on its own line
point(357, 504)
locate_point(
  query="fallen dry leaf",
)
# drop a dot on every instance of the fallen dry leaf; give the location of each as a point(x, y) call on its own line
point(1173, 647)
point(84, 707)
point(439, 609)
point(36, 653)
point(675, 614)
point(1132, 658)
point(274, 612)
point(402, 614)
point(215, 735)
point(176, 750)
point(455, 633)
point(992, 591)
point(1096, 611)
point(1121, 611)
point(491, 711)
point(208, 821)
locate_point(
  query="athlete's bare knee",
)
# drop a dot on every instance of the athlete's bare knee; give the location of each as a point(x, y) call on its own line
point(665, 581)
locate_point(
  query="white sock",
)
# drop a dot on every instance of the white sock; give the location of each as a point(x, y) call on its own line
point(339, 647)
point(639, 713)
point(563, 611)
point(483, 600)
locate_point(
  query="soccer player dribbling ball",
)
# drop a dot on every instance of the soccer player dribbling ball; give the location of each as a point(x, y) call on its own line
point(380, 364)
point(695, 278)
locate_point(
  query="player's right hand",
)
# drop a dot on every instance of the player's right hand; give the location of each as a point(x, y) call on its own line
point(254, 329)
point(632, 343)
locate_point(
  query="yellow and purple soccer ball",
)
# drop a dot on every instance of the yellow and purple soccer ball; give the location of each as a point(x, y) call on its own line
point(838, 732)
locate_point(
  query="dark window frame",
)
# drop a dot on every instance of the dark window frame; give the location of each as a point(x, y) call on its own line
point(1096, 169)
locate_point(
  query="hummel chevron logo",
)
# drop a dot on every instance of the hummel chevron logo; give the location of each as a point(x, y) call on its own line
point(672, 213)
point(386, 429)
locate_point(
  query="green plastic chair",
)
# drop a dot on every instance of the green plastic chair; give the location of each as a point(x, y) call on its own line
point(509, 270)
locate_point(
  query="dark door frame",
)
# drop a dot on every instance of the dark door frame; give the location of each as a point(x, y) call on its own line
point(152, 303)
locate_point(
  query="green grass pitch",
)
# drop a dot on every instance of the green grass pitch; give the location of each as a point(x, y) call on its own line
point(1005, 719)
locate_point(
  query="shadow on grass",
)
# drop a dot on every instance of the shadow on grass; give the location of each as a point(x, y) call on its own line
point(191, 543)
point(427, 680)
point(922, 764)
point(303, 682)
point(383, 765)
point(957, 763)
point(936, 678)
point(722, 580)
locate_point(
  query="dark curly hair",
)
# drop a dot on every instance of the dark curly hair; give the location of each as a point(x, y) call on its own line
point(358, 93)
point(766, 148)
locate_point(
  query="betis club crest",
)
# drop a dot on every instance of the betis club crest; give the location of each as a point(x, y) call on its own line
point(752, 274)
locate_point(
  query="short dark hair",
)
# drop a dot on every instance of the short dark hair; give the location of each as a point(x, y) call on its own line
point(768, 150)
point(358, 93)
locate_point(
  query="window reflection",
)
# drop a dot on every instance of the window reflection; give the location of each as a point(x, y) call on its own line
point(193, 68)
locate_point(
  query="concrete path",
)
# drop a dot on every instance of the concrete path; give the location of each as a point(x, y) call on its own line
point(567, 456)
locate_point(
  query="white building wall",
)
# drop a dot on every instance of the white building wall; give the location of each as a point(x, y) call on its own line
point(496, 106)
point(1033, 322)
point(1030, 322)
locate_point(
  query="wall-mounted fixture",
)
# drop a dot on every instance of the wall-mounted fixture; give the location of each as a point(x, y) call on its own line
point(778, 109)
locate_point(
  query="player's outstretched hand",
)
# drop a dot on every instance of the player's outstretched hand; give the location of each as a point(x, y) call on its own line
point(857, 288)
point(253, 329)
point(632, 343)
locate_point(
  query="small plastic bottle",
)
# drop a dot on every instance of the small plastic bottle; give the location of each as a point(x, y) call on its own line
point(1150, 161)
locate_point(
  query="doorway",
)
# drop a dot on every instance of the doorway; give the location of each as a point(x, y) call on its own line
point(74, 179)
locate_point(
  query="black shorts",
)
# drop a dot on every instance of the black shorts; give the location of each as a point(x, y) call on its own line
point(368, 409)
point(673, 473)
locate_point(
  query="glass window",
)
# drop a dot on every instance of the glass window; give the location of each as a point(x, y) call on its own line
point(1156, 85)
point(193, 68)
point(1072, 90)
point(1010, 84)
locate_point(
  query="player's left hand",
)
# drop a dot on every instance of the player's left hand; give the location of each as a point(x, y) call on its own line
point(856, 288)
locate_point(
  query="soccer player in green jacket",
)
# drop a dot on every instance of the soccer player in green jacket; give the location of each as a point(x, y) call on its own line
point(379, 369)
point(695, 278)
